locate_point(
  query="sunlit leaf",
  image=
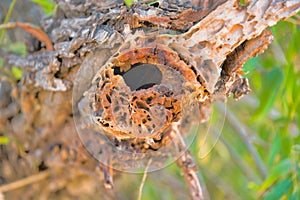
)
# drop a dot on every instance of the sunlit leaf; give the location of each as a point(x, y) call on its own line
point(47, 5)
point(279, 190)
point(278, 171)
point(128, 2)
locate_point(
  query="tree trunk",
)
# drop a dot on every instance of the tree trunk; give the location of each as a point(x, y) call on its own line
point(204, 43)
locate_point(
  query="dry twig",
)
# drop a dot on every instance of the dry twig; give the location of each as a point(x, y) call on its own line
point(188, 167)
point(33, 30)
point(143, 180)
point(23, 182)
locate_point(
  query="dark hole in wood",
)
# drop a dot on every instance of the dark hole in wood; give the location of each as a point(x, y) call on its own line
point(140, 76)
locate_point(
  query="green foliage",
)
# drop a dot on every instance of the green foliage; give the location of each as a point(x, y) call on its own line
point(128, 2)
point(17, 48)
point(244, 2)
point(17, 72)
point(279, 190)
point(47, 5)
point(14, 73)
point(279, 170)
point(273, 78)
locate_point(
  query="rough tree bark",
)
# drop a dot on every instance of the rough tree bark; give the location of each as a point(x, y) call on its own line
point(206, 42)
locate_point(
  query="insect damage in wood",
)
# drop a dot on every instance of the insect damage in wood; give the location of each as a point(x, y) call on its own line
point(197, 55)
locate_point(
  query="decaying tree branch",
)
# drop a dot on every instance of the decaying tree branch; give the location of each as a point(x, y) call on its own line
point(206, 46)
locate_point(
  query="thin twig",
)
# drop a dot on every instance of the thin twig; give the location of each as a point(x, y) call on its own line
point(143, 180)
point(241, 130)
point(108, 173)
point(33, 30)
point(23, 182)
point(188, 166)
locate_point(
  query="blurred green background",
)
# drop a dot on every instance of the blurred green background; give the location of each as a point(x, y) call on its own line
point(257, 154)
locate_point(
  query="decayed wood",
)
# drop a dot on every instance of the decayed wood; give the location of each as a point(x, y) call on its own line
point(214, 37)
point(213, 43)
